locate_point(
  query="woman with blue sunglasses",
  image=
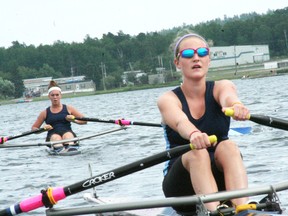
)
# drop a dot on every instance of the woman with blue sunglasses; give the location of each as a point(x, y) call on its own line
point(191, 113)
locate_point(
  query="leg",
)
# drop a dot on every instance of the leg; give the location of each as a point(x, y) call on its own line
point(228, 159)
point(177, 183)
point(69, 135)
point(198, 164)
point(56, 137)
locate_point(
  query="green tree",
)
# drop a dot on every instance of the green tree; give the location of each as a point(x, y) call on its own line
point(7, 88)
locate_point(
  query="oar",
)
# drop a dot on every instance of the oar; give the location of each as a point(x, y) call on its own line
point(176, 201)
point(5, 139)
point(119, 122)
point(51, 143)
point(242, 130)
point(264, 120)
point(55, 194)
point(245, 130)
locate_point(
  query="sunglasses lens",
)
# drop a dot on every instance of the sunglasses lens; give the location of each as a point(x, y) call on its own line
point(188, 53)
point(203, 51)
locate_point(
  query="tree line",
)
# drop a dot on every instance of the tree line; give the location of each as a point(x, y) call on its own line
point(123, 52)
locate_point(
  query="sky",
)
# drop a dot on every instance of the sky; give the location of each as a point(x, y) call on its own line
point(35, 22)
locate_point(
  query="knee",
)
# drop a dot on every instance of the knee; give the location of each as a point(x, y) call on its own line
point(228, 149)
point(195, 158)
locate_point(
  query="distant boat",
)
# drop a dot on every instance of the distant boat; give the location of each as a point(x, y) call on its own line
point(24, 100)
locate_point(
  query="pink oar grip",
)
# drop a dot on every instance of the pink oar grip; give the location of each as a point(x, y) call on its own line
point(36, 202)
point(3, 139)
point(123, 122)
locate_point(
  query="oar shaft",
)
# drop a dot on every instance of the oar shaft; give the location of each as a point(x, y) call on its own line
point(5, 139)
point(119, 122)
point(131, 168)
point(270, 121)
point(75, 139)
point(264, 120)
point(61, 193)
point(126, 170)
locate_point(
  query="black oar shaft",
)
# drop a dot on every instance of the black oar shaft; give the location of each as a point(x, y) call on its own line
point(26, 133)
point(119, 122)
point(146, 124)
point(264, 120)
point(36, 202)
point(4, 139)
point(270, 121)
point(126, 170)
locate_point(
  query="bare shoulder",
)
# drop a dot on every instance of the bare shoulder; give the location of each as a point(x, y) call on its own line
point(43, 113)
point(224, 84)
point(169, 95)
point(168, 99)
point(70, 108)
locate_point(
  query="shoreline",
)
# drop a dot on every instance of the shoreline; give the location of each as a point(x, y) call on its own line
point(212, 75)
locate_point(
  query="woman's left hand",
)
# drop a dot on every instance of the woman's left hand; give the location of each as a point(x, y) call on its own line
point(70, 118)
point(241, 112)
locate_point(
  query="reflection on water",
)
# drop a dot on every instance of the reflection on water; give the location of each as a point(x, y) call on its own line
point(25, 171)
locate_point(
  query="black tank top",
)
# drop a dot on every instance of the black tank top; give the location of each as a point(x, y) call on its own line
point(57, 120)
point(213, 122)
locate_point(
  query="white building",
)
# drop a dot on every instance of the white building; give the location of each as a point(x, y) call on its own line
point(39, 86)
point(232, 55)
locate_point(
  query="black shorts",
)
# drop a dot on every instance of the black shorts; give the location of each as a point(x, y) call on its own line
point(177, 183)
point(59, 132)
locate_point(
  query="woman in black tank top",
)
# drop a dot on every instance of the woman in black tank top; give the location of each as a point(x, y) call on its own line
point(190, 114)
point(58, 117)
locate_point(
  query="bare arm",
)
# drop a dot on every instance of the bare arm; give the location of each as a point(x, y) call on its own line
point(226, 95)
point(172, 115)
point(74, 113)
point(39, 121)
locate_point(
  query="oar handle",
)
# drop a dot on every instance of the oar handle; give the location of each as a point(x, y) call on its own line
point(212, 140)
point(230, 112)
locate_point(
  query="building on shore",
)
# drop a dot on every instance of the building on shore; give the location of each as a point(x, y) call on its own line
point(238, 55)
point(39, 86)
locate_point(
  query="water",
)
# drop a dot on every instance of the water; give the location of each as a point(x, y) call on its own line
point(26, 171)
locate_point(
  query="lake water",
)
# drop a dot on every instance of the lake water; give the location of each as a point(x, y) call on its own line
point(26, 171)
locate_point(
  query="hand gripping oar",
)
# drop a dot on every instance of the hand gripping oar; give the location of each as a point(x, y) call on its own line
point(264, 120)
point(75, 139)
point(53, 195)
point(5, 139)
point(119, 122)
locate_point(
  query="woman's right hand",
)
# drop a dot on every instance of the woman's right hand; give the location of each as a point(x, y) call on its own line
point(200, 140)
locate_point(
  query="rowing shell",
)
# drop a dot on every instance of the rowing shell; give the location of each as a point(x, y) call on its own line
point(169, 211)
point(165, 211)
point(67, 151)
point(162, 207)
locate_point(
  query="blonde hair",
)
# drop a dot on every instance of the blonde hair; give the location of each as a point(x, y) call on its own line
point(183, 35)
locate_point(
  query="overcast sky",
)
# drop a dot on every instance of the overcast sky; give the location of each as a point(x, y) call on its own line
point(44, 22)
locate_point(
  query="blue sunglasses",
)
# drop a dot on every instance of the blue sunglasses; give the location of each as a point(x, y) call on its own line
point(189, 53)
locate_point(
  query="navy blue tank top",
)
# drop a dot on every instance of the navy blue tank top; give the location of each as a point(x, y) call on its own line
point(213, 122)
point(57, 120)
